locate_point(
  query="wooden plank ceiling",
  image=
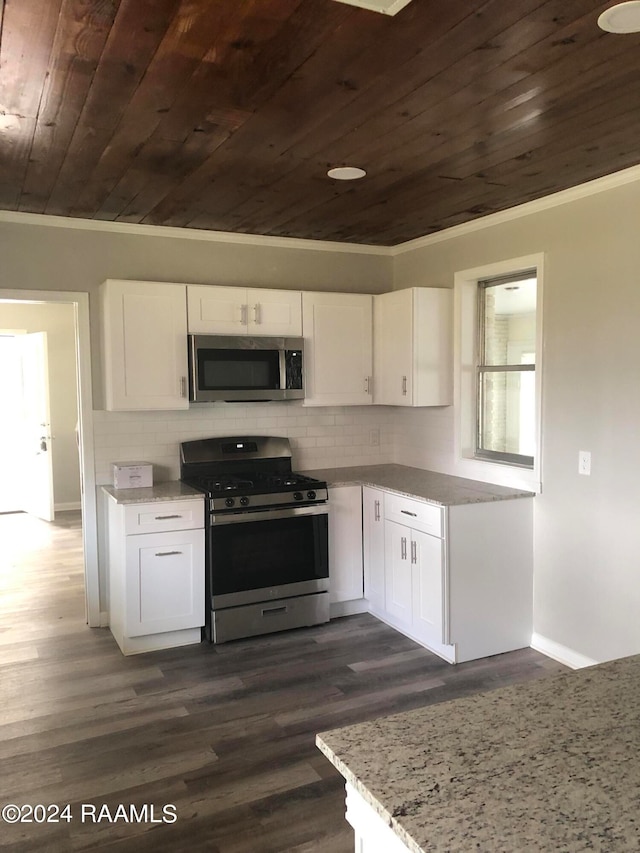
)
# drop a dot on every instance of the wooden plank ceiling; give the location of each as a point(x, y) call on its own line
point(226, 114)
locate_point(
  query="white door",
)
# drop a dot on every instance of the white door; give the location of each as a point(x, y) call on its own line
point(373, 545)
point(274, 312)
point(428, 561)
point(37, 473)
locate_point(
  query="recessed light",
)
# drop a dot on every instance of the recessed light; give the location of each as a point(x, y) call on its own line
point(346, 173)
point(621, 18)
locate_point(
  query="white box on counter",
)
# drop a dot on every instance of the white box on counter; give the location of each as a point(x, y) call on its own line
point(132, 475)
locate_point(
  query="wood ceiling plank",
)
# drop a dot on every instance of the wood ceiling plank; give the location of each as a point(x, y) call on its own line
point(550, 169)
point(137, 31)
point(332, 77)
point(469, 145)
point(81, 34)
point(450, 60)
point(214, 125)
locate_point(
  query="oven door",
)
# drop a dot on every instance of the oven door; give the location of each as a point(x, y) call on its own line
point(264, 555)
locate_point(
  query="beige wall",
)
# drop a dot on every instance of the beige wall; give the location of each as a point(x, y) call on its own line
point(587, 537)
point(57, 320)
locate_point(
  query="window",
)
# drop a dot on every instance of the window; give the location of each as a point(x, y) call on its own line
point(497, 375)
point(506, 363)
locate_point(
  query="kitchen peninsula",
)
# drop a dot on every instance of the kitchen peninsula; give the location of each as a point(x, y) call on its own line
point(547, 766)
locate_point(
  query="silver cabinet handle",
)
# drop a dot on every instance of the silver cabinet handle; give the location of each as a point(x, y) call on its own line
point(404, 386)
point(244, 315)
point(376, 511)
point(166, 517)
point(406, 512)
point(403, 548)
point(167, 553)
point(367, 384)
point(414, 551)
point(183, 386)
point(257, 318)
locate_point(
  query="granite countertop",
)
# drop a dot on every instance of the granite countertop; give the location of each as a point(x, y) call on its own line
point(429, 486)
point(170, 491)
point(551, 765)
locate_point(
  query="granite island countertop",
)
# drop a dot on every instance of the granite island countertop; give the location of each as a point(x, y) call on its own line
point(429, 486)
point(551, 765)
point(173, 490)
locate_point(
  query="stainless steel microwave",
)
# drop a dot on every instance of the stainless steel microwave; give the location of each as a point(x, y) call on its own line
point(244, 368)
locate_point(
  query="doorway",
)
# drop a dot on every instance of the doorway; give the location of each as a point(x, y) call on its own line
point(85, 448)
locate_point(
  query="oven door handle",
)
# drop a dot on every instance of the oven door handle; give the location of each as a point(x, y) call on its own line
point(267, 514)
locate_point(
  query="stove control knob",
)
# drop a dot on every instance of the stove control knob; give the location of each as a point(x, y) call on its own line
point(311, 495)
point(297, 496)
point(229, 501)
point(244, 501)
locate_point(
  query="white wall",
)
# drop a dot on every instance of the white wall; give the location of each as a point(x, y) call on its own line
point(57, 320)
point(587, 537)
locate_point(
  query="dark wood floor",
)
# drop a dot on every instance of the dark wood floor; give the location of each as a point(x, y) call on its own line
point(225, 734)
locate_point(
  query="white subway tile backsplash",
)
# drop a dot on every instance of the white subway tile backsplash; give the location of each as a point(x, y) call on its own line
point(320, 438)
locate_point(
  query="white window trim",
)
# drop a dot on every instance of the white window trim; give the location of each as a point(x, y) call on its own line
point(464, 387)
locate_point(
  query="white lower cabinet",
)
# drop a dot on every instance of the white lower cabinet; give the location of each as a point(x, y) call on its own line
point(458, 579)
point(345, 550)
point(156, 578)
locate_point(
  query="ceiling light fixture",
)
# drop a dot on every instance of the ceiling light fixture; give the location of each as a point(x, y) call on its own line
point(621, 18)
point(387, 7)
point(346, 173)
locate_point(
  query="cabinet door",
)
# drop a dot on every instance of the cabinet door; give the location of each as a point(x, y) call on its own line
point(274, 312)
point(345, 544)
point(427, 558)
point(217, 310)
point(373, 547)
point(144, 345)
point(338, 348)
point(393, 341)
point(164, 582)
point(398, 576)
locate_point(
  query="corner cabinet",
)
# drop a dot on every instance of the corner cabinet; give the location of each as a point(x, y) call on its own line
point(156, 574)
point(458, 579)
point(413, 347)
point(144, 345)
point(214, 310)
point(338, 339)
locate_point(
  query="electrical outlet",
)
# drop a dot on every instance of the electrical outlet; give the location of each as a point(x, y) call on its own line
point(374, 437)
point(584, 462)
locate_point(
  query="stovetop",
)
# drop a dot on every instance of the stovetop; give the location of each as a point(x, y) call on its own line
point(235, 473)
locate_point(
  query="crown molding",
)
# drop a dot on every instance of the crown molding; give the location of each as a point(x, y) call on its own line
point(48, 221)
point(598, 185)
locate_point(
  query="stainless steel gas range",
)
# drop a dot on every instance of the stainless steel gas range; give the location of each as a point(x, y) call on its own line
point(267, 566)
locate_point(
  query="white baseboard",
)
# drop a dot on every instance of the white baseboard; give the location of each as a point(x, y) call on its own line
point(67, 506)
point(561, 653)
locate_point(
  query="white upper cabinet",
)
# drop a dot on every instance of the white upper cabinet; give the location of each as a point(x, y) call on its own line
point(413, 347)
point(244, 311)
point(338, 348)
point(144, 331)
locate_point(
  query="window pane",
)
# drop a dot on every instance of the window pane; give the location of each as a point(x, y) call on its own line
point(509, 321)
point(507, 411)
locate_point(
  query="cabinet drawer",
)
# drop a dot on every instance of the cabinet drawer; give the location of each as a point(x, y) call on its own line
point(164, 515)
point(415, 514)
